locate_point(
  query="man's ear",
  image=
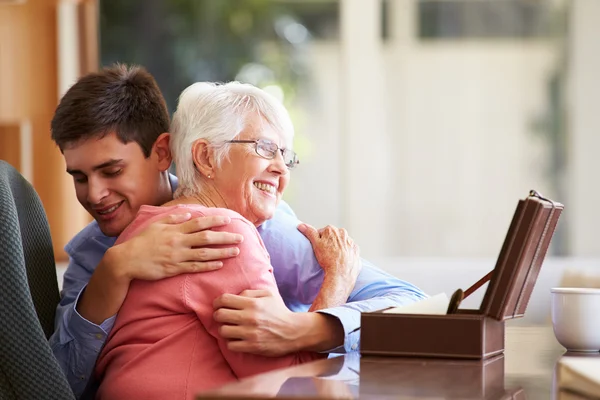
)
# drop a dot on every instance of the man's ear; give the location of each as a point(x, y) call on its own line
point(203, 157)
point(162, 151)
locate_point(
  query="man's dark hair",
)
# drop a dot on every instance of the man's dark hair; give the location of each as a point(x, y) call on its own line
point(121, 99)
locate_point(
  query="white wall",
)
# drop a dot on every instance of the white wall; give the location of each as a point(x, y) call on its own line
point(464, 148)
point(457, 135)
point(315, 189)
point(584, 125)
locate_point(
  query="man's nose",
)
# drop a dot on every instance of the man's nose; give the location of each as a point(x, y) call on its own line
point(97, 191)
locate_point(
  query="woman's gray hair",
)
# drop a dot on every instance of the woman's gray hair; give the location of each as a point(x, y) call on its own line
point(219, 113)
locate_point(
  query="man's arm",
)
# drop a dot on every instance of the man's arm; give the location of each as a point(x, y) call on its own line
point(281, 331)
point(160, 251)
point(263, 326)
point(90, 297)
point(299, 277)
point(76, 342)
point(374, 290)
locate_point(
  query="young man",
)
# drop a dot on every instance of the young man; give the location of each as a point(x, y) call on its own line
point(111, 128)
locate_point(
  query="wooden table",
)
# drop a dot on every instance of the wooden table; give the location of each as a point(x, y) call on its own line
point(526, 370)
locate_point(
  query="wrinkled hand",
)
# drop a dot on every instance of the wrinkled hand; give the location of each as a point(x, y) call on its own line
point(335, 251)
point(177, 244)
point(256, 322)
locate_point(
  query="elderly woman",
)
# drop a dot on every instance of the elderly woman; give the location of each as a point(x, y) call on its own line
point(232, 147)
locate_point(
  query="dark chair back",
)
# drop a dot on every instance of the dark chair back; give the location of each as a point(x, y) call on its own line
point(29, 295)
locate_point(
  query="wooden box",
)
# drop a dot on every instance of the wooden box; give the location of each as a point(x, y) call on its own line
point(474, 334)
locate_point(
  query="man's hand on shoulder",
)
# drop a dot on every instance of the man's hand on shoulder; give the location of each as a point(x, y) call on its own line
point(170, 246)
point(175, 245)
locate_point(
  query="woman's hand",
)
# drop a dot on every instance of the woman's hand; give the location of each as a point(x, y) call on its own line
point(339, 257)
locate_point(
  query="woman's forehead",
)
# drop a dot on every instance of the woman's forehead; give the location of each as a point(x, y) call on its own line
point(259, 128)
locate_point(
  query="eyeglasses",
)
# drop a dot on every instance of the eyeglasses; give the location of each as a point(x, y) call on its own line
point(267, 149)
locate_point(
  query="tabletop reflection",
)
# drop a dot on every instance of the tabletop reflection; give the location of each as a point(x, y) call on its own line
point(527, 370)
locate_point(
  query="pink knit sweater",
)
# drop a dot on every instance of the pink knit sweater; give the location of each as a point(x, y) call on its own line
point(165, 343)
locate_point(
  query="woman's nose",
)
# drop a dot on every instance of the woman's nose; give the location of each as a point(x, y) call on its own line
point(278, 163)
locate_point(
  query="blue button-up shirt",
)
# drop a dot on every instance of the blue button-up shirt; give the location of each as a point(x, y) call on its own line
point(77, 342)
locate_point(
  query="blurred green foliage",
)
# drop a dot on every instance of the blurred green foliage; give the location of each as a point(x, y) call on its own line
point(185, 41)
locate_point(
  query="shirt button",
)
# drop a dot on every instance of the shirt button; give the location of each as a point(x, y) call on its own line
point(354, 346)
point(82, 378)
point(99, 336)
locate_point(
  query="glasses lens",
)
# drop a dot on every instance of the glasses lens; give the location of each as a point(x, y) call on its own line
point(290, 158)
point(266, 148)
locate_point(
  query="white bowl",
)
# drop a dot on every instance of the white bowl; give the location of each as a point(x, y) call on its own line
point(576, 318)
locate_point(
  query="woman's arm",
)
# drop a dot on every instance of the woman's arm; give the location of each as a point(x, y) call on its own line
point(251, 270)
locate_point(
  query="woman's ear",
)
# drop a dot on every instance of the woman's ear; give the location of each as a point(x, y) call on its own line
point(202, 155)
point(162, 151)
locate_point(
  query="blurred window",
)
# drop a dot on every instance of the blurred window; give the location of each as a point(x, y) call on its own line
point(463, 19)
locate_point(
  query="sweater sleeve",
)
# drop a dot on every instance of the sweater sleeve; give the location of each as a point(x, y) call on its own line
point(251, 269)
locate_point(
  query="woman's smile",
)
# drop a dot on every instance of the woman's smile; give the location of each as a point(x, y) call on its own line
point(266, 187)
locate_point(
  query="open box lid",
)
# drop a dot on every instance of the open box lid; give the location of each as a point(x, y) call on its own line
point(521, 257)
